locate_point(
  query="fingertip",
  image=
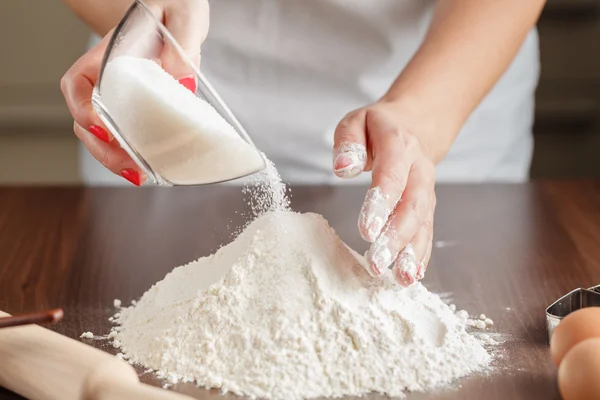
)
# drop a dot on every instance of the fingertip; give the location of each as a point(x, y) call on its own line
point(133, 176)
point(349, 160)
point(373, 215)
point(406, 268)
point(189, 82)
point(100, 133)
point(402, 277)
point(380, 255)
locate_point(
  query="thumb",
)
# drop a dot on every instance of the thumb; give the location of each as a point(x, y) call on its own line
point(350, 145)
point(189, 27)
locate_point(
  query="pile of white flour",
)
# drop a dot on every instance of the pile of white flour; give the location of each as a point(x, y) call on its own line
point(287, 311)
point(182, 137)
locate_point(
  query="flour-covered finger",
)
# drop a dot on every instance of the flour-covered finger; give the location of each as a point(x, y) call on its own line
point(425, 262)
point(404, 222)
point(411, 263)
point(393, 156)
point(420, 244)
point(406, 266)
point(426, 256)
point(350, 146)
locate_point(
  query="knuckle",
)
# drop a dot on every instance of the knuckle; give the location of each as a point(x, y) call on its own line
point(428, 226)
point(429, 168)
point(409, 141)
point(105, 159)
point(405, 141)
point(401, 241)
point(418, 206)
point(64, 84)
point(397, 178)
point(80, 110)
point(75, 128)
point(349, 119)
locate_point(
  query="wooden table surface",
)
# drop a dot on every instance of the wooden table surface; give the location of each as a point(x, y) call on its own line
point(513, 250)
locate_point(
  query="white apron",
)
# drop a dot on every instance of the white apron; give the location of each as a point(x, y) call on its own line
point(290, 70)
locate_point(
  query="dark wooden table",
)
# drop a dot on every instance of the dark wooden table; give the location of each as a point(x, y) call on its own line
point(516, 249)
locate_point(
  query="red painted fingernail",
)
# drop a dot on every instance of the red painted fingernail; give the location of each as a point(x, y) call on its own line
point(189, 83)
point(100, 133)
point(132, 176)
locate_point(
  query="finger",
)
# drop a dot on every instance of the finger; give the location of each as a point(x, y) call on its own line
point(406, 266)
point(412, 261)
point(425, 261)
point(189, 27)
point(424, 235)
point(77, 85)
point(427, 255)
point(394, 154)
point(111, 156)
point(406, 219)
point(350, 145)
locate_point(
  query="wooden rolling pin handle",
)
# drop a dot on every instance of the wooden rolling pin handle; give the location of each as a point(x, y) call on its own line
point(43, 365)
point(117, 380)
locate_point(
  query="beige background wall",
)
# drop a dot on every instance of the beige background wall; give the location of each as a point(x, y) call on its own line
point(39, 40)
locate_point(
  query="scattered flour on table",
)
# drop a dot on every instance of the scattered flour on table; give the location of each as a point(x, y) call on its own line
point(181, 136)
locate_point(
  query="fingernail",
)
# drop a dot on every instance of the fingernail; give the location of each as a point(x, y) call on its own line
point(373, 214)
point(132, 176)
point(342, 162)
point(406, 268)
point(402, 278)
point(189, 82)
point(100, 133)
point(380, 255)
point(349, 160)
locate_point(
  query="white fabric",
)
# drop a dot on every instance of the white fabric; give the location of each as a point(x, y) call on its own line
point(290, 70)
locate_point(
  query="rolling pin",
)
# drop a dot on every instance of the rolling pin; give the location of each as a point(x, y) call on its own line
point(40, 364)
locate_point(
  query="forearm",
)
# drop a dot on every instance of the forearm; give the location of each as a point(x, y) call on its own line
point(469, 45)
point(101, 15)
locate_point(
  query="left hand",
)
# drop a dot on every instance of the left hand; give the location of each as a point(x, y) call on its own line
point(397, 214)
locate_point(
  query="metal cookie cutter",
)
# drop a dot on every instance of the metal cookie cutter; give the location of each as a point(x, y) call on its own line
point(572, 301)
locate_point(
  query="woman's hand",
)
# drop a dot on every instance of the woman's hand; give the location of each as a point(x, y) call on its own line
point(402, 136)
point(188, 21)
point(397, 214)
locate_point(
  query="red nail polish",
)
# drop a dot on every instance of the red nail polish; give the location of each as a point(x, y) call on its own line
point(132, 176)
point(100, 133)
point(189, 83)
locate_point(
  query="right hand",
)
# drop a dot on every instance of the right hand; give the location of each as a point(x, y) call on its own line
point(188, 21)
